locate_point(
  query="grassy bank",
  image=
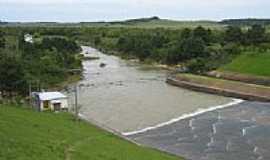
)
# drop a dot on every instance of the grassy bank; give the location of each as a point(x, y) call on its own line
point(25, 135)
point(222, 87)
point(250, 63)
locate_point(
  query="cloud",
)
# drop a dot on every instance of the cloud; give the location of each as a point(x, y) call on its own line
point(145, 2)
point(36, 1)
point(123, 9)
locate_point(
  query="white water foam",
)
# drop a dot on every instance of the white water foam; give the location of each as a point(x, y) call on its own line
point(191, 124)
point(214, 129)
point(211, 142)
point(185, 116)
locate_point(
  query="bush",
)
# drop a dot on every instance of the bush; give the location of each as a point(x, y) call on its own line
point(232, 48)
point(197, 65)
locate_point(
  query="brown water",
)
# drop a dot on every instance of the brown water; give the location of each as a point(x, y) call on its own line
point(128, 96)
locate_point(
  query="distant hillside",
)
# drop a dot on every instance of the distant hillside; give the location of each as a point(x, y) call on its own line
point(138, 20)
point(151, 22)
point(155, 22)
point(1, 22)
point(246, 22)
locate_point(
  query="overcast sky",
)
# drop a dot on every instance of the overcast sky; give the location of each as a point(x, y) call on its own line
point(106, 10)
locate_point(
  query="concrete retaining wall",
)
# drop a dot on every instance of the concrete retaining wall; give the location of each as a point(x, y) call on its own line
point(213, 90)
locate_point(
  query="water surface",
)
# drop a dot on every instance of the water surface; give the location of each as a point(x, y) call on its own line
point(128, 96)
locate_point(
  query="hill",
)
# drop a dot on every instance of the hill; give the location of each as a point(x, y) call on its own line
point(245, 22)
point(26, 134)
point(152, 22)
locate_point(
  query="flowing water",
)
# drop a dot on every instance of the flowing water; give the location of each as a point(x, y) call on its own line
point(128, 96)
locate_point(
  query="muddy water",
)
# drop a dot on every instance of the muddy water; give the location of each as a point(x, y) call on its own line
point(128, 96)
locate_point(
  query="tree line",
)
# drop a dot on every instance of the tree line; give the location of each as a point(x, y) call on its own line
point(200, 49)
point(43, 63)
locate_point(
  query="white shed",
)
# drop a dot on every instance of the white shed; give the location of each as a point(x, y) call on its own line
point(54, 101)
point(28, 38)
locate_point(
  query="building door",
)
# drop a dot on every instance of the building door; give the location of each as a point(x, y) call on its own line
point(57, 106)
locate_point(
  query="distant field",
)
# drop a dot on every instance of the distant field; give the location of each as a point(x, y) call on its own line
point(160, 23)
point(26, 135)
point(250, 63)
point(176, 24)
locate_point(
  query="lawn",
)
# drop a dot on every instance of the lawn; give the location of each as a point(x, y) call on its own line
point(25, 134)
point(250, 63)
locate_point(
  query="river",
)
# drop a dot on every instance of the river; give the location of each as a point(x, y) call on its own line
point(128, 96)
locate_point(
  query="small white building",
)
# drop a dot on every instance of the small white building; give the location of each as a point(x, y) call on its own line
point(28, 38)
point(53, 101)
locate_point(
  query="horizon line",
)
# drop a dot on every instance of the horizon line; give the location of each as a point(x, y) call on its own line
point(123, 20)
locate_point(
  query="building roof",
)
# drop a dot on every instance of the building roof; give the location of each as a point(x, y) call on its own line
point(47, 96)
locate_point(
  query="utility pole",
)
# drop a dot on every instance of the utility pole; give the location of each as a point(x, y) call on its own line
point(30, 94)
point(76, 102)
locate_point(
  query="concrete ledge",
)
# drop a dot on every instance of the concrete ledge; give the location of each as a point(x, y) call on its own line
point(214, 90)
point(259, 80)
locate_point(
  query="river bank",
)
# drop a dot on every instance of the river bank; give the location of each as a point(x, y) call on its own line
point(148, 62)
point(221, 87)
point(235, 76)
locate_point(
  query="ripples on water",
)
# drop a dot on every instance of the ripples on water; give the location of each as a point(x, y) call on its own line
point(128, 96)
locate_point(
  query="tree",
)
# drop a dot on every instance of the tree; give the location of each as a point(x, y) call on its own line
point(186, 33)
point(97, 40)
point(197, 65)
point(2, 39)
point(233, 34)
point(200, 32)
point(192, 47)
point(12, 74)
point(126, 44)
point(256, 35)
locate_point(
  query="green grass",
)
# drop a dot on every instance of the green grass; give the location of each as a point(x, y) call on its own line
point(250, 63)
point(227, 87)
point(25, 134)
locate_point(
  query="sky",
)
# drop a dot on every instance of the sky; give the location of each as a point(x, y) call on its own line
point(111, 10)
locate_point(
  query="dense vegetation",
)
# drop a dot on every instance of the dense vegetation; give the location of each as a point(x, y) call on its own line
point(246, 22)
point(43, 63)
point(45, 136)
point(53, 53)
point(199, 49)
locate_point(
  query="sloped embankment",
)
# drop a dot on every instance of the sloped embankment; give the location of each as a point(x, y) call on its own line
point(25, 134)
point(221, 87)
